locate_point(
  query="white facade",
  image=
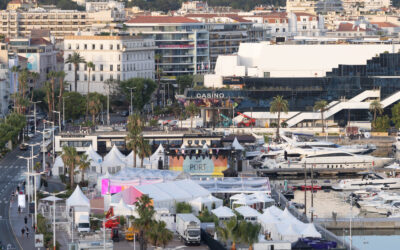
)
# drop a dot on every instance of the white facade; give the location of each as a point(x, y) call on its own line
point(114, 57)
point(267, 60)
point(104, 5)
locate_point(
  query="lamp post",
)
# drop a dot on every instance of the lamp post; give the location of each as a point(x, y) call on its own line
point(34, 191)
point(104, 228)
point(54, 144)
point(59, 120)
point(131, 106)
point(54, 215)
point(34, 112)
point(28, 179)
point(42, 147)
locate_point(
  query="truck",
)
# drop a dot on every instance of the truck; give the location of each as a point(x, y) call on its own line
point(188, 228)
point(83, 224)
point(247, 121)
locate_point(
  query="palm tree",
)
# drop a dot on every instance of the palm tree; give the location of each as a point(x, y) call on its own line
point(144, 150)
point(75, 59)
point(249, 233)
point(191, 110)
point(279, 105)
point(157, 59)
point(230, 231)
point(146, 211)
point(34, 76)
point(23, 81)
point(321, 106)
point(61, 76)
point(159, 235)
point(48, 89)
point(84, 163)
point(376, 107)
point(52, 75)
point(94, 107)
point(135, 127)
point(15, 70)
point(70, 158)
point(90, 67)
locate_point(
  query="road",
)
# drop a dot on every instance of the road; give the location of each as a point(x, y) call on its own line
point(11, 173)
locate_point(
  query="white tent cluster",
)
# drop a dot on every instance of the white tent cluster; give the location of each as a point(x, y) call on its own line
point(284, 226)
point(258, 200)
point(235, 184)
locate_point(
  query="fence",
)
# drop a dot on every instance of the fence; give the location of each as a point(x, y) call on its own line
point(211, 242)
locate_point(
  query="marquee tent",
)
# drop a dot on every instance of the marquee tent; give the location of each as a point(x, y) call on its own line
point(77, 199)
point(95, 159)
point(248, 213)
point(115, 151)
point(58, 166)
point(122, 209)
point(223, 213)
point(112, 162)
point(208, 201)
point(274, 211)
point(310, 231)
point(236, 145)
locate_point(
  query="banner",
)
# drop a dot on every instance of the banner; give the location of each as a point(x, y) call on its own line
point(199, 165)
point(39, 240)
point(21, 200)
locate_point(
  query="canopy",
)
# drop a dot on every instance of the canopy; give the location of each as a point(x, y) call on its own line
point(238, 197)
point(77, 199)
point(236, 145)
point(208, 201)
point(261, 197)
point(159, 153)
point(114, 152)
point(51, 198)
point(93, 155)
point(274, 210)
point(244, 201)
point(113, 160)
point(58, 162)
point(247, 211)
point(122, 209)
point(310, 231)
point(223, 212)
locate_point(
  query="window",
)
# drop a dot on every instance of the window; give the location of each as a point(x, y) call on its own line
point(93, 46)
point(118, 67)
point(118, 77)
point(101, 46)
point(117, 46)
point(283, 30)
point(111, 46)
point(77, 46)
point(101, 77)
point(85, 46)
point(77, 77)
point(85, 77)
point(93, 77)
point(304, 27)
point(277, 30)
point(101, 67)
point(69, 46)
point(111, 67)
point(304, 19)
point(85, 66)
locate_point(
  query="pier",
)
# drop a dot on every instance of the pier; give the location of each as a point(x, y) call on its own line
point(359, 223)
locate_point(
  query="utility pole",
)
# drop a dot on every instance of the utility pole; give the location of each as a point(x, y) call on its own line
point(34, 112)
point(64, 97)
point(305, 188)
point(131, 106)
point(59, 120)
point(312, 192)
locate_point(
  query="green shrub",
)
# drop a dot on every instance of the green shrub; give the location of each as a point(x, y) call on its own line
point(183, 208)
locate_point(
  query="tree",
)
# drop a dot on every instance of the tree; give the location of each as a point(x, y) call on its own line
point(61, 76)
point(381, 124)
point(230, 231)
point(142, 90)
point(52, 75)
point(183, 208)
point(396, 115)
point(376, 108)
point(249, 233)
point(321, 106)
point(84, 163)
point(183, 82)
point(144, 150)
point(34, 76)
point(191, 110)
point(94, 107)
point(48, 90)
point(15, 70)
point(146, 212)
point(135, 127)
point(279, 105)
point(75, 59)
point(157, 59)
point(23, 82)
point(75, 105)
point(159, 235)
point(71, 159)
point(90, 67)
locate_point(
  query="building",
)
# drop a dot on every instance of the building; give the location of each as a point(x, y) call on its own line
point(352, 29)
point(182, 43)
point(227, 31)
point(104, 5)
point(328, 6)
point(4, 80)
point(194, 6)
point(307, 6)
point(364, 6)
point(114, 57)
point(59, 22)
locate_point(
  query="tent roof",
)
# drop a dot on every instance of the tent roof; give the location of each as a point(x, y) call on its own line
point(192, 187)
point(274, 210)
point(112, 160)
point(268, 218)
point(77, 198)
point(310, 231)
point(236, 145)
point(247, 211)
point(238, 196)
point(115, 151)
point(244, 201)
point(51, 198)
point(132, 173)
point(93, 155)
point(261, 197)
point(209, 198)
point(223, 212)
point(58, 162)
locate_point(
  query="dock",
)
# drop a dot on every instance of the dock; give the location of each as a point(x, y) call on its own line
point(359, 223)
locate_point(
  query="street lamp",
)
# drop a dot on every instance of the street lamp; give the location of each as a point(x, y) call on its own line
point(34, 112)
point(131, 107)
point(59, 120)
point(54, 214)
point(54, 143)
point(104, 228)
point(34, 191)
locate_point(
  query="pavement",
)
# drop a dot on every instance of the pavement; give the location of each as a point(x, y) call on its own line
point(11, 174)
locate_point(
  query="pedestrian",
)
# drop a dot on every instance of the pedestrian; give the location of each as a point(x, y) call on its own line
point(27, 234)
point(23, 231)
point(19, 209)
point(26, 220)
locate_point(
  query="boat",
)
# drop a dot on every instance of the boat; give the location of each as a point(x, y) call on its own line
point(368, 180)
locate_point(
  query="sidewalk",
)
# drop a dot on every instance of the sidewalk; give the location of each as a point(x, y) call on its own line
point(17, 223)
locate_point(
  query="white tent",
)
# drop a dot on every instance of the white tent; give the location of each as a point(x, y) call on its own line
point(51, 198)
point(130, 163)
point(267, 221)
point(58, 166)
point(200, 202)
point(262, 199)
point(289, 232)
point(95, 159)
point(249, 214)
point(223, 213)
point(287, 217)
point(159, 153)
point(122, 209)
point(310, 231)
point(77, 199)
point(236, 145)
point(274, 210)
point(114, 151)
point(112, 162)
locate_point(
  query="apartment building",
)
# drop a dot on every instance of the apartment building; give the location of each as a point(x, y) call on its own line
point(59, 22)
point(182, 43)
point(364, 6)
point(227, 31)
point(306, 6)
point(4, 80)
point(114, 57)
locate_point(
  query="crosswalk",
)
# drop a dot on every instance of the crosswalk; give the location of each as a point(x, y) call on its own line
point(12, 166)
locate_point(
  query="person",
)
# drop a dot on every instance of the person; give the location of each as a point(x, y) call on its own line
point(19, 209)
point(23, 231)
point(27, 234)
point(26, 220)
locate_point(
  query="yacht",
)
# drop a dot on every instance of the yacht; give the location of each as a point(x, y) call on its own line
point(329, 158)
point(368, 180)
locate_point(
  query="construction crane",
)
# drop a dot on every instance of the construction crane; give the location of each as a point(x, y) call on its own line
point(247, 121)
point(227, 122)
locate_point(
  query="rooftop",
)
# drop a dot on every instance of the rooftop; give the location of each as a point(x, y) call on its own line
point(385, 24)
point(162, 19)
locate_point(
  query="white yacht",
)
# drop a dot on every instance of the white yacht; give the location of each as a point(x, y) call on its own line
point(368, 180)
point(329, 158)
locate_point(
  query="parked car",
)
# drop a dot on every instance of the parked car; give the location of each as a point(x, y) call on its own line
point(23, 146)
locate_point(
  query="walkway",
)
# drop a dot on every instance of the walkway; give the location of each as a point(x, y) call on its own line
point(17, 223)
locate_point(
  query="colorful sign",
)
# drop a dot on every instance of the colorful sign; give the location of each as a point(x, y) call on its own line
point(198, 165)
point(32, 61)
point(39, 240)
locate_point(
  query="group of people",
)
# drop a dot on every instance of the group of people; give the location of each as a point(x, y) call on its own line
point(25, 229)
